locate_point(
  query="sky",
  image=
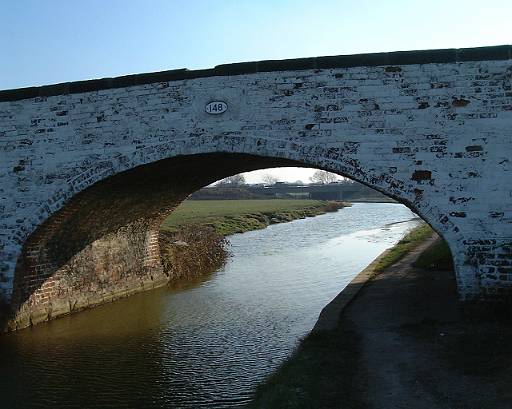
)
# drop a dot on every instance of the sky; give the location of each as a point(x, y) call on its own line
point(50, 41)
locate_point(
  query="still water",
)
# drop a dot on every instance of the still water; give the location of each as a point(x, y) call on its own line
point(207, 344)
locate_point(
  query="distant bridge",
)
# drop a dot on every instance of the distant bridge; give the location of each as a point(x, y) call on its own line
point(89, 169)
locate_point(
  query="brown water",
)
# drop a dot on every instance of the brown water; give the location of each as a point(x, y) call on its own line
point(207, 344)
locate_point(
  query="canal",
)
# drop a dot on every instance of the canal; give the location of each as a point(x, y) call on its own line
point(206, 344)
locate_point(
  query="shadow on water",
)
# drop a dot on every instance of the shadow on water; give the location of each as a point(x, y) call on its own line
point(75, 355)
point(6, 314)
point(320, 374)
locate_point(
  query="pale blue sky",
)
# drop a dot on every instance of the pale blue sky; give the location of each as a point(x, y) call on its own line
point(50, 41)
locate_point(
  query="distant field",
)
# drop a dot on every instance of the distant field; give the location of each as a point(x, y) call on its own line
point(237, 216)
point(200, 211)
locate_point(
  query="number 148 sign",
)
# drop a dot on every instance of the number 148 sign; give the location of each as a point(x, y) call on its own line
point(216, 107)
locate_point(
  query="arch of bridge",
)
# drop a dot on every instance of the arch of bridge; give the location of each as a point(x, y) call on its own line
point(429, 130)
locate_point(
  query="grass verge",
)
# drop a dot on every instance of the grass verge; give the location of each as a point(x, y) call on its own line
point(410, 241)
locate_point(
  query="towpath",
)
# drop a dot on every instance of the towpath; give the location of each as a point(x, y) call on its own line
point(418, 350)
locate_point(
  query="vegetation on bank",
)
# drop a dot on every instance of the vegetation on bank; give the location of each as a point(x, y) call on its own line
point(192, 238)
point(192, 252)
point(436, 257)
point(237, 216)
point(404, 246)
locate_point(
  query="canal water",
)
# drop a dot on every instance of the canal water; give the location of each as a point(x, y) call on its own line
point(207, 344)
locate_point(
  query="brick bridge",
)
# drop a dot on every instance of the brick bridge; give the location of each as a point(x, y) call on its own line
point(89, 169)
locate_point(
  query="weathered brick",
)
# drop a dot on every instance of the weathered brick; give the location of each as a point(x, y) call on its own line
point(374, 118)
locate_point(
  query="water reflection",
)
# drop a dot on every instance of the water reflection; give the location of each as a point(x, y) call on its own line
point(207, 344)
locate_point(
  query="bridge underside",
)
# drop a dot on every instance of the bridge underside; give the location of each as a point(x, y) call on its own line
point(104, 243)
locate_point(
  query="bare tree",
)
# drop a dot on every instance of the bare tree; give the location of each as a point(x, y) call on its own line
point(269, 179)
point(323, 177)
point(235, 180)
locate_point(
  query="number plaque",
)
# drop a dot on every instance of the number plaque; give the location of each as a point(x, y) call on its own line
point(216, 107)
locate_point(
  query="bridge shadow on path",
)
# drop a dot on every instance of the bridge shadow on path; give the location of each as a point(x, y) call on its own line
point(405, 341)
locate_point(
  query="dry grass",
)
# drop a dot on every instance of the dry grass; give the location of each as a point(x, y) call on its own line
point(192, 251)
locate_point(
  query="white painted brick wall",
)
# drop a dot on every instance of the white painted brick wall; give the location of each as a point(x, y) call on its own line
point(374, 126)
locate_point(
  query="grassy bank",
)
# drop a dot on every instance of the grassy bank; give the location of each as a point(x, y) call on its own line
point(238, 216)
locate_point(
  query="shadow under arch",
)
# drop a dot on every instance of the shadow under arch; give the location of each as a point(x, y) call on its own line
point(103, 243)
